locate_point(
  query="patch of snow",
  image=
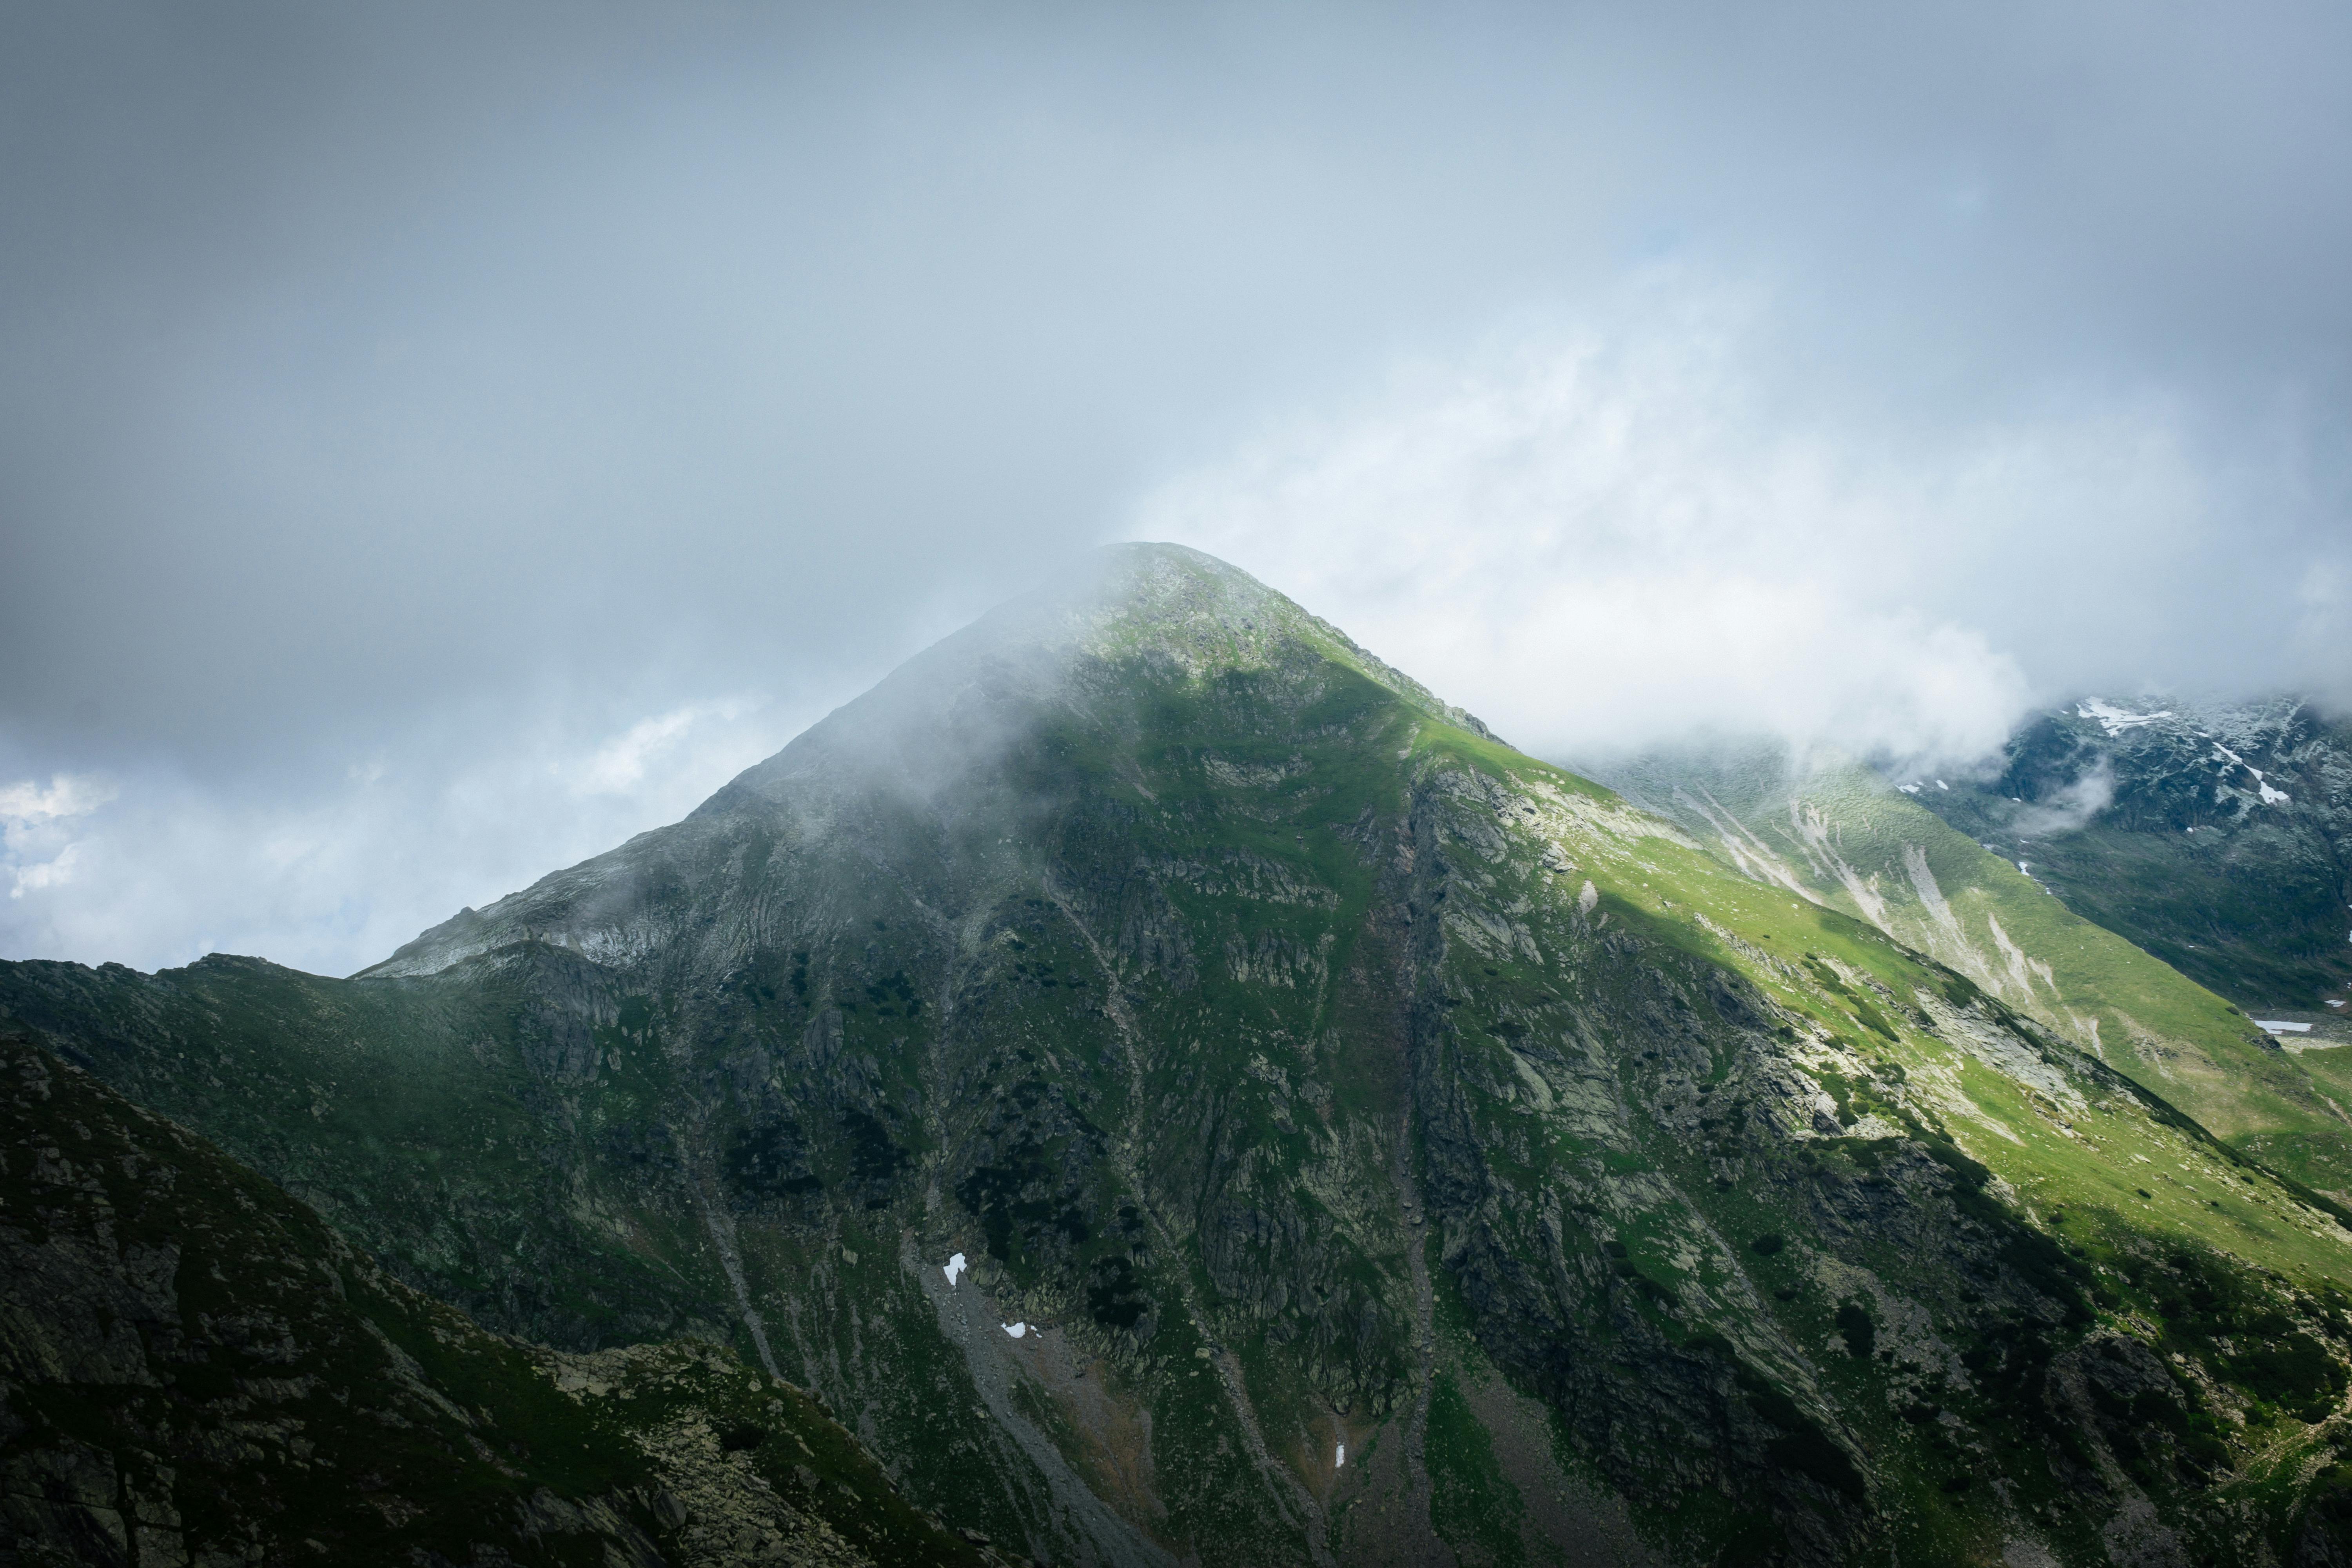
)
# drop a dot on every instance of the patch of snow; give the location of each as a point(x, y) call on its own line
point(2335, 1004)
point(1908, 789)
point(2021, 870)
point(2281, 1027)
point(1340, 1462)
point(1017, 1331)
point(2271, 797)
point(2113, 720)
point(1941, 785)
point(955, 1266)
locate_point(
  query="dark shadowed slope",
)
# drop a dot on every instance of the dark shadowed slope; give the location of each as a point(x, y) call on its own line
point(195, 1369)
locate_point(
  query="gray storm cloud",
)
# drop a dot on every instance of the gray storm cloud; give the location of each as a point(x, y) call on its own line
point(436, 441)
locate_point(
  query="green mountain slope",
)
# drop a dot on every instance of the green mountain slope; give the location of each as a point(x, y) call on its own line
point(1833, 831)
point(194, 1368)
point(1390, 1148)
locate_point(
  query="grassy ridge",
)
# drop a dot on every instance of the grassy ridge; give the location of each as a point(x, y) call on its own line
point(1865, 855)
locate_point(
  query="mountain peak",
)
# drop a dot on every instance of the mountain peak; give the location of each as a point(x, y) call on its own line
point(1076, 655)
point(1168, 596)
point(1165, 604)
point(1142, 599)
point(1126, 612)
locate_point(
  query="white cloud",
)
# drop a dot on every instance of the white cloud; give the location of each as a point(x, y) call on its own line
point(155, 868)
point(2071, 808)
point(1611, 534)
point(53, 873)
point(67, 795)
point(2321, 628)
point(619, 766)
point(38, 848)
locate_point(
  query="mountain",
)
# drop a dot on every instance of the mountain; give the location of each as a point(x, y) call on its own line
point(2217, 837)
point(1185, 1094)
point(195, 1368)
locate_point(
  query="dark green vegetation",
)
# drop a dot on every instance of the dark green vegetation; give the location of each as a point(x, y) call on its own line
point(1300, 1066)
point(195, 1368)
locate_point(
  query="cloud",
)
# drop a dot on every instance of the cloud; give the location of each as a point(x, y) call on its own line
point(2321, 623)
point(51, 873)
point(619, 766)
point(65, 795)
point(36, 846)
point(1610, 532)
point(331, 871)
point(2071, 809)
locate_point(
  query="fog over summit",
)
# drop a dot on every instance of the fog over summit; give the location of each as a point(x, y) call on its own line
point(439, 444)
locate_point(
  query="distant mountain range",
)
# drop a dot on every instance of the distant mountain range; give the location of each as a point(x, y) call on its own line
point(1180, 1091)
point(2217, 837)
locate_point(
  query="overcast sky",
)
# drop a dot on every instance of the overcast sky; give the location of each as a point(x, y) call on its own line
point(437, 442)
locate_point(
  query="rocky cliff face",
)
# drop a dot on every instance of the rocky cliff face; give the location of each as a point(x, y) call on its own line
point(196, 1370)
point(1187, 1094)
